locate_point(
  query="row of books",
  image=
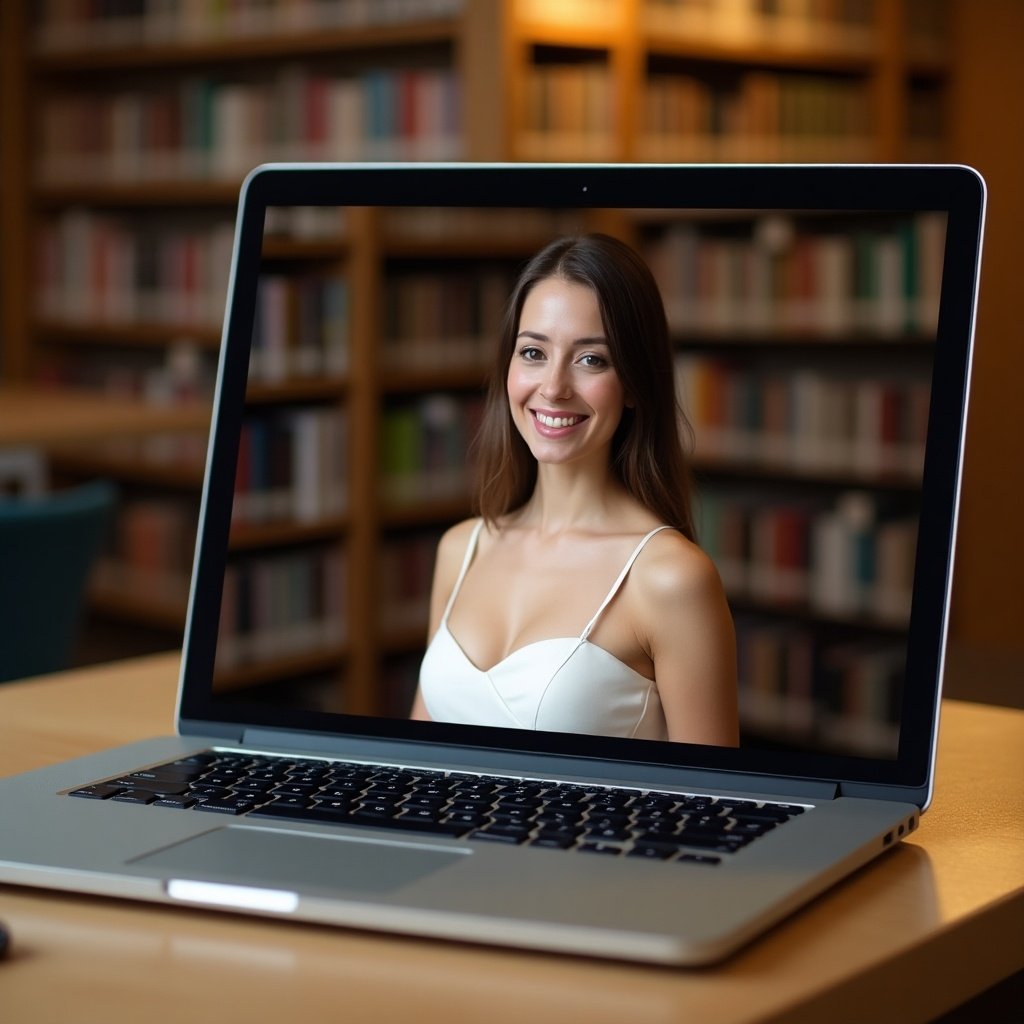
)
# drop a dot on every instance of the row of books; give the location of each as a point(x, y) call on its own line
point(404, 576)
point(444, 319)
point(846, 559)
point(150, 551)
point(577, 97)
point(281, 604)
point(569, 111)
point(305, 223)
point(292, 466)
point(767, 149)
point(845, 25)
point(778, 274)
point(301, 327)
point(178, 374)
point(758, 111)
point(206, 129)
point(800, 688)
point(805, 422)
point(530, 227)
point(95, 268)
point(423, 448)
point(63, 25)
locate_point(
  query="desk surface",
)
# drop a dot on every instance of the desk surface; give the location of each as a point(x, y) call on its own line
point(935, 921)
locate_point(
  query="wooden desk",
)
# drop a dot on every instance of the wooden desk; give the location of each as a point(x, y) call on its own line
point(937, 920)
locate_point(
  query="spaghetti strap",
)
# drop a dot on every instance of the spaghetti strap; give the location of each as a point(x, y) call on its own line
point(470, 551)
point(621, 578)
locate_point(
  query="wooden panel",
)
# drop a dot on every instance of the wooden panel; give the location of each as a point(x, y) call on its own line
point(987, 85)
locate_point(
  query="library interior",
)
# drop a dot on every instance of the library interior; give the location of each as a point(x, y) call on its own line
point(125, 132)
point(802, 355)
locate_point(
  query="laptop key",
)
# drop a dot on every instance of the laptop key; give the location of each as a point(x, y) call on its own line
point(653, 851)
point(600, 848)
point(134, 796)
point(102, 792)
point(469, 819)
point(210, 792)
point(719, 844)
point(769, 815)
point(333, 806)
point(181, 802)
point(698, 858)
point(152, 785)
point(494, 836)
point(751, 827)
point(554, 840)
point(300, 802)
point(234, 805)
point(167, 774)
point(609, 833)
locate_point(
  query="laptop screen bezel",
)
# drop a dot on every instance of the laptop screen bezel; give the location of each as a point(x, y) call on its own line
point(954, 190)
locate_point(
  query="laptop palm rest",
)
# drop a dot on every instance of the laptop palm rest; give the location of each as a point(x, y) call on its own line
point(278, 859)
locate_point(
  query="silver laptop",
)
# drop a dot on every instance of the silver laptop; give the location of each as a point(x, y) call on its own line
point(822, 319)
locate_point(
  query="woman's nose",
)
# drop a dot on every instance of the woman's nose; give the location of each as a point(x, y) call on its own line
point(556, 383)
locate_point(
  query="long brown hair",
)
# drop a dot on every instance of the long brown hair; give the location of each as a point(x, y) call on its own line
point(647, 453)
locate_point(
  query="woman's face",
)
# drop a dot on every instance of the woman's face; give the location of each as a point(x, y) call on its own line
point(565, 396)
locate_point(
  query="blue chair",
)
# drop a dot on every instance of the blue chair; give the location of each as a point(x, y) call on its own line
point(48, 546)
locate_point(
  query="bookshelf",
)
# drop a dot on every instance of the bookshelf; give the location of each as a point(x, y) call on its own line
point(140, 127)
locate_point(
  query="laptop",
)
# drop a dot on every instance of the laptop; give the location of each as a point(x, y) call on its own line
point(822, 320)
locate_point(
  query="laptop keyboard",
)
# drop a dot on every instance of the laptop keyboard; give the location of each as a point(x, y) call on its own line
point(588, 819)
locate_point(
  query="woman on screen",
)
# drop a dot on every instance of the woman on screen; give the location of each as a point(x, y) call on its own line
point(579, 601)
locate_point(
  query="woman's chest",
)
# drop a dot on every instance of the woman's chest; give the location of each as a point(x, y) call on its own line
point(512, 599)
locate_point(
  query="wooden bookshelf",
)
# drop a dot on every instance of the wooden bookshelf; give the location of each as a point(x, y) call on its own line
point(525, 79)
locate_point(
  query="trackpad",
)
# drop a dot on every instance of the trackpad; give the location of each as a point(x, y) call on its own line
point(307, 862)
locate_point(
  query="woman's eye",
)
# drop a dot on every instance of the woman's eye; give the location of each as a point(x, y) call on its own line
point(593, 361)
point(530, 354)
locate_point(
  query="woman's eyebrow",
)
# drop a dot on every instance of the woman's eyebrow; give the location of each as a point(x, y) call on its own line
point(537, 336)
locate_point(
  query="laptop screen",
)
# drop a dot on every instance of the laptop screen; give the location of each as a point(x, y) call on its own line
point(819, 326)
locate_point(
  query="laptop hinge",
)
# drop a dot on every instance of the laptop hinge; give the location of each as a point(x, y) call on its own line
point(212, 730)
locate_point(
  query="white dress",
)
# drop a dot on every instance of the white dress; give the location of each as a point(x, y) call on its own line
point(565, 684)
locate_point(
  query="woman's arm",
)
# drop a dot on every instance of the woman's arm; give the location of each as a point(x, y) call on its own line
point(688, 632)
point(419, 711)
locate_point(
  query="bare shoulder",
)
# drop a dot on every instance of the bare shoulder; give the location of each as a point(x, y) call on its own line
point(451, 550)
point(452, 547)
point(684, 624)
point(673, 570)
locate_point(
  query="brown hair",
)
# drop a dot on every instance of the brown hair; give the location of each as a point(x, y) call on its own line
point(647, 454)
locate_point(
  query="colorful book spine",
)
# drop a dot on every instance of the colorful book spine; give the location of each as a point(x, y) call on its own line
point(816, 693)
point(423, 446)
point(443, 320)
point(93, 268)
point(569, 108)
point(150, 551)
point(301, 328)
point(213, 129)
point(282, 604)
point(847, 560)
point(406, 568)
point(292, 467)
point(778, 277)
point(807, 422)
point(757, 115)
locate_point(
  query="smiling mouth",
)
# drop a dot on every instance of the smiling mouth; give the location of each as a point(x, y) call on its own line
point(557, 421)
